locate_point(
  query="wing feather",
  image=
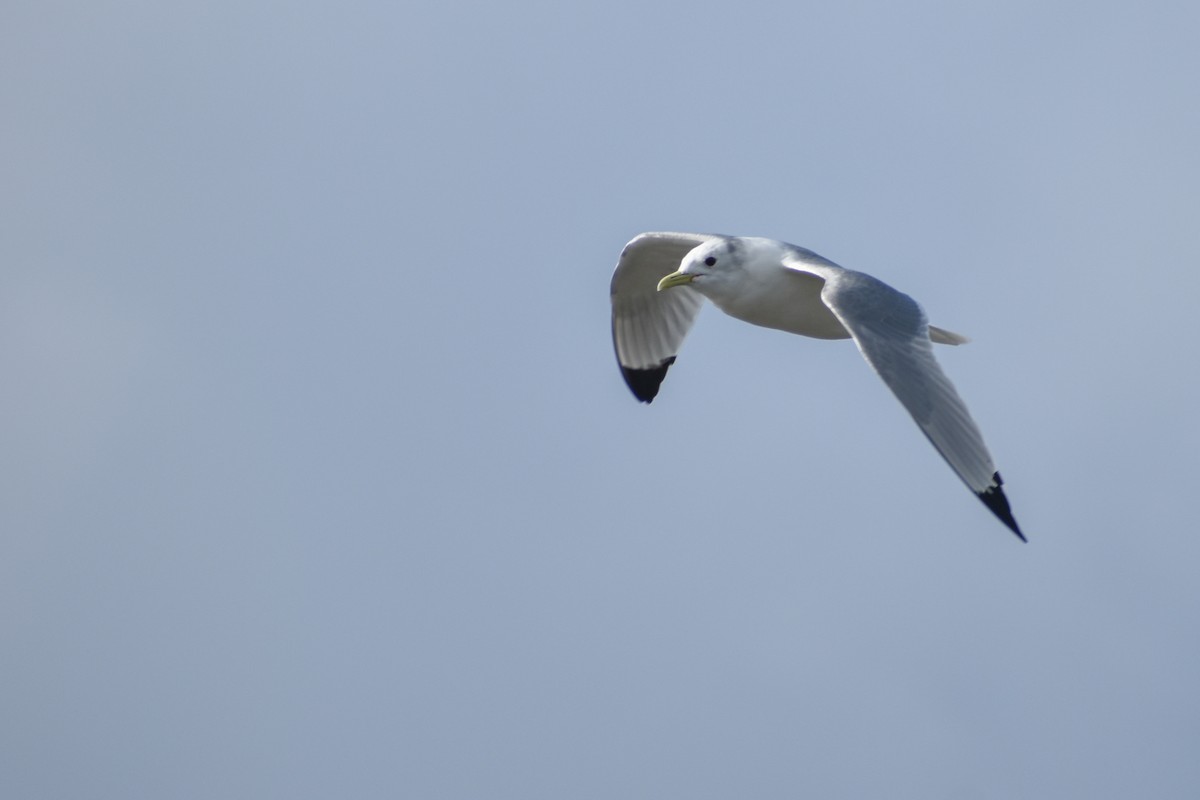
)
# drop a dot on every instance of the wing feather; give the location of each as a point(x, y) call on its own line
point(649, 326)
point(892, 333)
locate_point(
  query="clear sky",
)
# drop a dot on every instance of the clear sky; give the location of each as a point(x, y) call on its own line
point(318, 478)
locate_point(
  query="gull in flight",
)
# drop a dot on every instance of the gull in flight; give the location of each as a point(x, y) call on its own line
point(662, 278)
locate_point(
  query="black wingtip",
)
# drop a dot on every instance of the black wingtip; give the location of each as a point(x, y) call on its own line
point(644, 383)
point(993, 497)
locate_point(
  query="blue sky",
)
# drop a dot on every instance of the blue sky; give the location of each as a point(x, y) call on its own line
point(318, 476)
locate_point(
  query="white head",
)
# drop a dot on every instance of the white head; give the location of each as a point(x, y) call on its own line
point(720, 268)
point(709, 266)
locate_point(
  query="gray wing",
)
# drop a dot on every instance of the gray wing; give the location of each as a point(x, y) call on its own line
point(648, 326)
point(892, 333)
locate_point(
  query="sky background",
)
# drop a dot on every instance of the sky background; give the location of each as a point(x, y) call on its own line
point(318, 478)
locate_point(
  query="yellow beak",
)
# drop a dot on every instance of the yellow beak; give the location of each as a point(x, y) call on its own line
point(675, 279)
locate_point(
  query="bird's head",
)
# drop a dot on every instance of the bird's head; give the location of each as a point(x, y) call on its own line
point(707, 266)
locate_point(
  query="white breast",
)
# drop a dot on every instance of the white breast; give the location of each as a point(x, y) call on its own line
point(767, 294)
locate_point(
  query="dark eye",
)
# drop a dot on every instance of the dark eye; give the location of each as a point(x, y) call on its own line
point(710, 261)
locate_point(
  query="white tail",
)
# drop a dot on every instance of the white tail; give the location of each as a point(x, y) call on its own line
point(942, 336)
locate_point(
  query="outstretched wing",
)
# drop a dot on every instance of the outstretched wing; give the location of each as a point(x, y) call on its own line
point(892, 333)
point(648, 326)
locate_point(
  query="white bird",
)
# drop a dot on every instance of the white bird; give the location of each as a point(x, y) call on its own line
point(779, 285)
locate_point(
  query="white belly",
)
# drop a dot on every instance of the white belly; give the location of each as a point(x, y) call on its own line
point(795, 307)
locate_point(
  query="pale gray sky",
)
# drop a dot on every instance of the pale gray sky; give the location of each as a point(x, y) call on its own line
point(318, 477)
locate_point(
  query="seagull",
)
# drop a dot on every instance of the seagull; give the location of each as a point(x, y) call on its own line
point(662, 279)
